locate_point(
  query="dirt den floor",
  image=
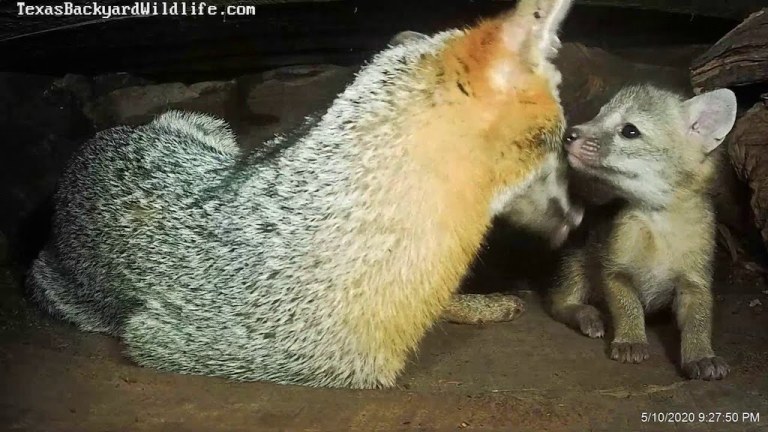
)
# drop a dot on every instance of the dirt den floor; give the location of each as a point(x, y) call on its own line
point(531, 374)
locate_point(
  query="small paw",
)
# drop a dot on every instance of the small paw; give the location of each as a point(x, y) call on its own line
point(627, 352)
point(708, 368)
point(590, 322)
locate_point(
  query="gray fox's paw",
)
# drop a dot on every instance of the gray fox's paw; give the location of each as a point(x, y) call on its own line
point(483, 308)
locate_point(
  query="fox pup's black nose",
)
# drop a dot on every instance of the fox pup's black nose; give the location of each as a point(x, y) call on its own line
point(571, 135)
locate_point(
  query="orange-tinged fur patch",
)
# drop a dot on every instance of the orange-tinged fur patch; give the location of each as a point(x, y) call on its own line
point(479, 137)
point(470, 141)
point(468, 58)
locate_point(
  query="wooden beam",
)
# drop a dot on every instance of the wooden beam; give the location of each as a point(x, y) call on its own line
point(732, 9)
point(740, 58)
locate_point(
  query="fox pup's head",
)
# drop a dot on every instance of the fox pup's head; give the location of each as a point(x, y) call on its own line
point(649, 143)
point(496, 94)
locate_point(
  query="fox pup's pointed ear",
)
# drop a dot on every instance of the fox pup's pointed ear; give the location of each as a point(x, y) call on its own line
point(709, 117)
point(531, 30)
point(405, 37)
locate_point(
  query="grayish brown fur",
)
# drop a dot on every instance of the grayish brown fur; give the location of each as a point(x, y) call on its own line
point(658, 248)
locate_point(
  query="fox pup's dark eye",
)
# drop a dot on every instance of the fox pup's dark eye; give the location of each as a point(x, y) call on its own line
point(630, 131)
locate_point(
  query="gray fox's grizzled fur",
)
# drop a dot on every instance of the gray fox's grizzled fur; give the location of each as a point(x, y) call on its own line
point(322, 258)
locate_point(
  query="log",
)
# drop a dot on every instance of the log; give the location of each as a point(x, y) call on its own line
point(344, 32)
point(740, 58)
point(747, 148)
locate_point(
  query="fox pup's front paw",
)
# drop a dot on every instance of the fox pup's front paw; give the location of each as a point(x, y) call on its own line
point(590, 322)
point(708, 368)
point(629, 352)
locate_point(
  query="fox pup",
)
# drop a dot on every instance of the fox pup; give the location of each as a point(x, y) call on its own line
point(656, 150)
point(323, 257)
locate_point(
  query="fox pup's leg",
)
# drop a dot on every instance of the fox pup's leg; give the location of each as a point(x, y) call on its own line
point(483, 308)
point(693, 305)
point(630, 344)
point(570, 295)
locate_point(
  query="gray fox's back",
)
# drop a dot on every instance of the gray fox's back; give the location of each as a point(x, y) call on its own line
point(322, 258)
point(153, 219)
point(117, 188)
point(210, 261)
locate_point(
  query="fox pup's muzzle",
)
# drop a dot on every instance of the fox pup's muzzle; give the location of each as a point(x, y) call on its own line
point(582, 151)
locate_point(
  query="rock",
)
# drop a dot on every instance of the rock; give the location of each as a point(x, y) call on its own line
point(279, 100)
point(139, 104)
point(79, 85)
point(42, 125)
point(591, 76)
point(86, 89)
point(677, 56)
point(106, 83)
